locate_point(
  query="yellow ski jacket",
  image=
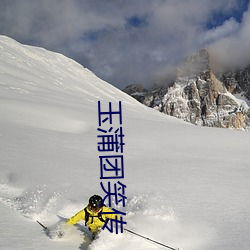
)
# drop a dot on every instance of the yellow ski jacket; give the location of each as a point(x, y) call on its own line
point(94, 223)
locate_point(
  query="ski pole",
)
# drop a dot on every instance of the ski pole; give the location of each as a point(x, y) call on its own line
point(151, 239)
point(45, 228)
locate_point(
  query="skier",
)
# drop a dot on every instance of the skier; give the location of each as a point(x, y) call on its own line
point(95, 215)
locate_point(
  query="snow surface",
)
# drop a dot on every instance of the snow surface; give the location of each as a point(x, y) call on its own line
point(187, 186)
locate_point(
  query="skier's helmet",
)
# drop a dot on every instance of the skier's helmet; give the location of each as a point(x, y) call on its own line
point(95, 202)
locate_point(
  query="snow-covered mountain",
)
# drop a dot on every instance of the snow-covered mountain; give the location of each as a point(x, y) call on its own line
point(187, 186)
point(201, 95)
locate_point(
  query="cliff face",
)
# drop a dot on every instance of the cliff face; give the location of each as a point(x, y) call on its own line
point(237, 81)
point(201, 97)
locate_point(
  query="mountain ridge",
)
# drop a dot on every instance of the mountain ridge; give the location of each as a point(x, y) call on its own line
point(200, 95)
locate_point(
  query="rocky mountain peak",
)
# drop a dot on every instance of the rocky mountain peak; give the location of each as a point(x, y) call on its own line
point(196, 64)
point(200, 96)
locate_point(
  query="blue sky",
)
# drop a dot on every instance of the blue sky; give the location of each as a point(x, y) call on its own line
point(218, 17)
point(131, 41)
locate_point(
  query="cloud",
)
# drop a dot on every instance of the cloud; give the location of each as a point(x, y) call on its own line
point(233, 49)
point(228, 28)
point(124, 42)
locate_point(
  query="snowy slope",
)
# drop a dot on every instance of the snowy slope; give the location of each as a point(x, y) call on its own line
point(187, 186)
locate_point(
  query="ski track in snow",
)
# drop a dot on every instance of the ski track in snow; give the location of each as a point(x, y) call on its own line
point(32, 204)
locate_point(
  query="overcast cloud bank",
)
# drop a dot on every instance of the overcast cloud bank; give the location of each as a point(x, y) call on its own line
point(135, 41)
